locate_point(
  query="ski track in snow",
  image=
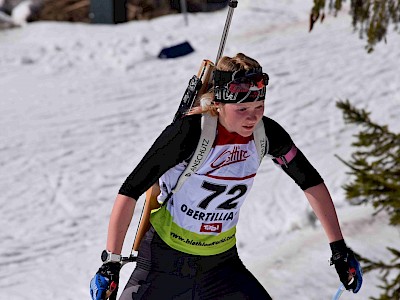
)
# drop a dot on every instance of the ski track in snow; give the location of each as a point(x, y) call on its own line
point(81, 104)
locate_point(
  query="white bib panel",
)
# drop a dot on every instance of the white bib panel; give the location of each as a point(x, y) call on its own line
point(201, 217)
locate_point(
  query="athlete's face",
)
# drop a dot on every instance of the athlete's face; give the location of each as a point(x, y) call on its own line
point(241, 118)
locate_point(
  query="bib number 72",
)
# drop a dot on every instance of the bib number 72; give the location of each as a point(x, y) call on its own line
point(217, 190)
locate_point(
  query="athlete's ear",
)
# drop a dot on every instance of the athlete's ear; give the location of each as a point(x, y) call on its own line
point(218, 105)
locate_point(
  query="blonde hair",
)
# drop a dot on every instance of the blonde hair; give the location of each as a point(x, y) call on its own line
point(205, 103)
point(236, 63)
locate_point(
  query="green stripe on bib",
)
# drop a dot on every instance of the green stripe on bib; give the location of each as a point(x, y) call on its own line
point(189, 242)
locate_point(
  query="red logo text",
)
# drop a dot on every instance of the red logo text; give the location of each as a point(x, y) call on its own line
point(211, 227)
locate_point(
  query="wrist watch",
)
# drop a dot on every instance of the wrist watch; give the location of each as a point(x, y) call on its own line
point(107, 256)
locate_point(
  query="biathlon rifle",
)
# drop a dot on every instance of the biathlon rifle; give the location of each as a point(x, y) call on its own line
point(197, 86)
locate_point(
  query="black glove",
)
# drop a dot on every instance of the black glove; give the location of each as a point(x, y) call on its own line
point(346, 265)
point(105, 283)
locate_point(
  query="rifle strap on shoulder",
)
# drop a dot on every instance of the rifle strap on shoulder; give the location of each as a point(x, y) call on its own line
point(261, 141)
point(207, 137)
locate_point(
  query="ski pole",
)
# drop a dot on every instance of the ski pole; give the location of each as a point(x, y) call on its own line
point(339, 292)
point(232, 5)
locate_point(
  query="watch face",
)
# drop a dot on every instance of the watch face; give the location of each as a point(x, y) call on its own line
point(104, 255)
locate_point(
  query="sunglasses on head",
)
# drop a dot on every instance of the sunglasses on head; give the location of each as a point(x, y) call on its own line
point(249, 82)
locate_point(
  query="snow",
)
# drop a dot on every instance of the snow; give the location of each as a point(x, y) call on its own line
point(81, 104)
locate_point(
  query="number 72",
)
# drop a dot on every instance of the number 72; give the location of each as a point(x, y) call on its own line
point(220, 189)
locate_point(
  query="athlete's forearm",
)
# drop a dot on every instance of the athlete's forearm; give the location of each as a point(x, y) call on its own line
point(320, 200)
point(120, 219)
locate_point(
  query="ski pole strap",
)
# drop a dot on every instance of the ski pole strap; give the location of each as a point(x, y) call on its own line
point(232, 5)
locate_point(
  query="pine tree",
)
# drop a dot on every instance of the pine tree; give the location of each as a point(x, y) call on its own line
point(375, 166)
point(370, 17)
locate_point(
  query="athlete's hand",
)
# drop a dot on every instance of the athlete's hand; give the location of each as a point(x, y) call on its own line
point(346, 265)
point(105, 282)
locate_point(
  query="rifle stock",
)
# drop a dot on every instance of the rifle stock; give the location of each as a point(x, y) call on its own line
point(150, 204)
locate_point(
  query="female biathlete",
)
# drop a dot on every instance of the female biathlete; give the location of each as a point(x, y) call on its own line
point(190, 249)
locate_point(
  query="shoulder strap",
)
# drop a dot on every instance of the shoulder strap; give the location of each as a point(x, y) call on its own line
point(261, 141)
point(207, 137)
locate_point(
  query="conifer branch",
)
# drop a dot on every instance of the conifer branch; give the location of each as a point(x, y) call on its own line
point(375, 167)
point(372, 18)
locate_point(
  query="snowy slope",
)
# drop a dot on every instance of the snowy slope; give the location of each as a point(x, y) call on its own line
point(80, 105)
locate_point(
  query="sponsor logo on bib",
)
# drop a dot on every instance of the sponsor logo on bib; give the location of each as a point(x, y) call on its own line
point(229, 157)
point(211, 227)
